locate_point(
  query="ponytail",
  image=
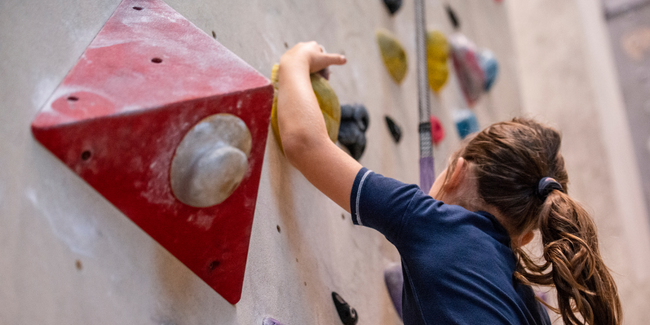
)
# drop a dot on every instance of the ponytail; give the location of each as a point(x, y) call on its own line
point(577, 271)
point(520, 172)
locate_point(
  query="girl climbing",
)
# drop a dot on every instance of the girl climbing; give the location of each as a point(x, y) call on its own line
point(461, 244)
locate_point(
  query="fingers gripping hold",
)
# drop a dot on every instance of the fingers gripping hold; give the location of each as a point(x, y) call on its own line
point(316, 56)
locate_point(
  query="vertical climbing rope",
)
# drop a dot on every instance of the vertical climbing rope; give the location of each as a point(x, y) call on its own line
point(427, 175)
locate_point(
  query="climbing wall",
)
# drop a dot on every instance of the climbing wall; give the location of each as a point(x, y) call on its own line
point(68, 255)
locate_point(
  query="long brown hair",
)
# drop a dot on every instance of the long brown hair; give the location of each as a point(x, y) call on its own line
point(508, 160)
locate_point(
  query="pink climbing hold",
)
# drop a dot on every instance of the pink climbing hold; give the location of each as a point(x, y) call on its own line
point(469, 72)
point(437, 130)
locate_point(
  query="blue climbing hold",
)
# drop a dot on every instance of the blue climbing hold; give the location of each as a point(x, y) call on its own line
point(490, 67)
point(466, 122)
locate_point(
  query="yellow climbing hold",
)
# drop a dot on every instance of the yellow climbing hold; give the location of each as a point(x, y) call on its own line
point(327, 101)
point(437, 53)
point(393, 54)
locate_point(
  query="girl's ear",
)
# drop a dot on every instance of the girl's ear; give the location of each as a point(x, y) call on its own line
point(523, 240)
point(527, 237)
point(457, 177)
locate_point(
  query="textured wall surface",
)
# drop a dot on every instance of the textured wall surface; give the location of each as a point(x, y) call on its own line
point(69, 257)
point(630, 38)
point(568, 78)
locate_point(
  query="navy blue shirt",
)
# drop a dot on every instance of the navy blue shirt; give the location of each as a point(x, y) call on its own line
point(458, 265)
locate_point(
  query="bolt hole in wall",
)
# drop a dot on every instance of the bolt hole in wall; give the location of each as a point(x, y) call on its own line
point(213, 265)
point(78, 265)
point(86, 155)
point(278, 227)
point(156, 60)
point(137, 8)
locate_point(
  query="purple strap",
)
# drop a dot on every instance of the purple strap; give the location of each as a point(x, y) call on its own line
point(427, 175)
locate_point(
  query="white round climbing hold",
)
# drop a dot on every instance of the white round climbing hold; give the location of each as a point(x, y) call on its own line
point(211, 161)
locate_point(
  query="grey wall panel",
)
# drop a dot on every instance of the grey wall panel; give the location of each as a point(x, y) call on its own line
point(630, 39)
point(614, 8)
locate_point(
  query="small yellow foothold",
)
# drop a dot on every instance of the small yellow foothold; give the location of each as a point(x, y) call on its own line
point(437, 53)
point(327, 101)
point(393, 54)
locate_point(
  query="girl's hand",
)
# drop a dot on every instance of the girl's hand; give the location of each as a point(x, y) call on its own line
point(302, 127)
point(310, 56)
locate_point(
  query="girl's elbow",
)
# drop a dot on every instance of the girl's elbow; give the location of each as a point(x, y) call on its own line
point(294, 147)
point(298, 148)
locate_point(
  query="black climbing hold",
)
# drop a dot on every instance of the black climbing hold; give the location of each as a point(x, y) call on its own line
point(393, 5)
point(347, 314)
point(354, 123)
point(361, 117)
point(395, 130)
point(452, 17)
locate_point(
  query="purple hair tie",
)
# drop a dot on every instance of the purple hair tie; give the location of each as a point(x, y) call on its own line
point(546, 185)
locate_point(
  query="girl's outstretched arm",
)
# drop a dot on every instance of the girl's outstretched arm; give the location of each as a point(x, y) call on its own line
point(302, 128)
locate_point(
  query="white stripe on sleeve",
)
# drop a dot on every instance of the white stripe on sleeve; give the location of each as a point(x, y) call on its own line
point(363, 179)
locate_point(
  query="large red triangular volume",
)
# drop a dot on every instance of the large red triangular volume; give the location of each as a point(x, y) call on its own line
point(116, 119)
